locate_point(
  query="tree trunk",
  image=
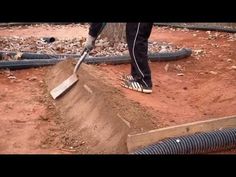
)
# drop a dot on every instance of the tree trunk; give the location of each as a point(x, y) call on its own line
point(114, 32)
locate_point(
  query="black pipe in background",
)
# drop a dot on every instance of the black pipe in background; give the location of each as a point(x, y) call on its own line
point(205, 27)
point(198, 143)
point(44, 61)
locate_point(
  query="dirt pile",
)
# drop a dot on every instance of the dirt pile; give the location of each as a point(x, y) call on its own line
point(95, 112)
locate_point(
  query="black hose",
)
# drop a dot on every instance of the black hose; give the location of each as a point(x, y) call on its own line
point(183, 53)
point(160, 56)
point(24, 64)
point(198, 27)
point(194, 144)
point(27, 63)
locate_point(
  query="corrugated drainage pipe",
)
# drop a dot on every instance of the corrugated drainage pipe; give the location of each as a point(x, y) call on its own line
point(194, 144)
point(29, 63)
point(160, 56)
point(205, 27)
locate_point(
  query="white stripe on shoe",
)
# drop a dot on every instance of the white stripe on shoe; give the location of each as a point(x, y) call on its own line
point(138, 86)
point(133, 85)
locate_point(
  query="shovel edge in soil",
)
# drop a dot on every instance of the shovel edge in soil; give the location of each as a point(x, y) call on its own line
point(70, 81)
point(64, 86)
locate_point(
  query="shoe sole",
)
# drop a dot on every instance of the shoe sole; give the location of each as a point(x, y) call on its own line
point(137, 90)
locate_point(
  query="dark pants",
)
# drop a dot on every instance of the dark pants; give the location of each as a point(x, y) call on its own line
point(137, 35)
point(96, 28)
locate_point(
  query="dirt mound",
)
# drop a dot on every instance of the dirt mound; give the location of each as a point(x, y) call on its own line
point(95, 112)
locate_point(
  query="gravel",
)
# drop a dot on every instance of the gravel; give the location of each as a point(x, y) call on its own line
point(73, 46)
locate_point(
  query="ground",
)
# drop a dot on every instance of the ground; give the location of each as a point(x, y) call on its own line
point(199, 87)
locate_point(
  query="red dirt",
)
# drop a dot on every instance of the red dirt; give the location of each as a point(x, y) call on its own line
point(198, 95)
point(26, 119)
point(30, 124)
point(61, 32)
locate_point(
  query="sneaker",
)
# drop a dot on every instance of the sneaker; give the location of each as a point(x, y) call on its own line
point(128, 77)
point(136, 86)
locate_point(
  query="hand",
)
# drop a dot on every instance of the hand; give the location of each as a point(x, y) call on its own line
point(90, 42)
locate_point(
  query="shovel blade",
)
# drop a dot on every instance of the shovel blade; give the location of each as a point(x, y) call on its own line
point(64, 86)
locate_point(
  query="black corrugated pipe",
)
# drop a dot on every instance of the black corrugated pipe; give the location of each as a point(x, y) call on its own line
point(198, 27)
point(182, 53)
point(28, 63)
point(24, 64)
point(194, 144)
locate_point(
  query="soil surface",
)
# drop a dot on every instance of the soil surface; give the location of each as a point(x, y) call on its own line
point(200, 87)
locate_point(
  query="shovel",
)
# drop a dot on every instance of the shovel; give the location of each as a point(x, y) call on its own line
point(70, 81)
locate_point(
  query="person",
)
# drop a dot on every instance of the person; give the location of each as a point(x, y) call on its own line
point(137, 35)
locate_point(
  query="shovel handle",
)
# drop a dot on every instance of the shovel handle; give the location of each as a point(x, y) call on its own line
point(81, 59)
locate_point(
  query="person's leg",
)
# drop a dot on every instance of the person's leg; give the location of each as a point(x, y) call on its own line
point(130, 33)
point(137, 35)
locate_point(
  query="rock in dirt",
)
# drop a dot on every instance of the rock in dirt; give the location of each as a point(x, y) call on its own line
point(213, 72)
point(50, 107)
point(233, 67)
point(11, 77)
point(82, 143)
point(179, 68)
point(167, 67)
point(19, 121)
point(32, 78)
point(18, 55)
point(198, 52)
point(163, 50)
point(44, 118)
point(18, 80)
